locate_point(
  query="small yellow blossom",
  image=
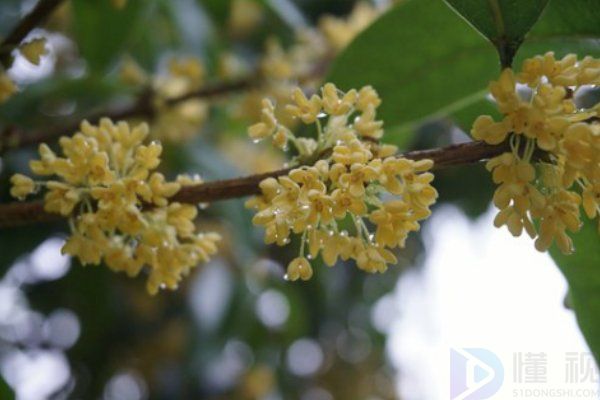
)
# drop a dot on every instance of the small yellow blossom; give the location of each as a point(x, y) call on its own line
point(7, 87)
point(244, 16)
point(22, 186)
point(333, 104)
point(299, 268)
point(119, 208)
point(119, 4)
point(306, 109)
point(339, 32)
point(187, 68)
point(268, 124)
point(346, 185)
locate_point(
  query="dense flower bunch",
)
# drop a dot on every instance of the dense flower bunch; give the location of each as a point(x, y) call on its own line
point(118, 208)
point(546, 122)
point(340, 192)
point(172, 122)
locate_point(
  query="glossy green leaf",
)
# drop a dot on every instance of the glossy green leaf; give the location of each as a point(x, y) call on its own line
point(503, 22)
point(103, 32)
point(582, 271)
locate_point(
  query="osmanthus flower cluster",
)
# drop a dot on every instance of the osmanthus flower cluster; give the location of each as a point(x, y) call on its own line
point(553, 167)
point(283, 68)
point(118, 206)
point(171, 122)
point(357, 200)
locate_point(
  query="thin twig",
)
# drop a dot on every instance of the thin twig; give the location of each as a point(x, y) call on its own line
point(37, 16)
point(15, 214)
point(12, 137)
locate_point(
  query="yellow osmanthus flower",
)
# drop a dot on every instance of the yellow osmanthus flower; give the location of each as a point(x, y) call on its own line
point(340, 31)
point(118, 4)
point(172, 122)
point(547, 122)
point(7, 87)
point(33, 50)
point(179, 122)
point(317, 200)
point(244, 16)
point(118, 207)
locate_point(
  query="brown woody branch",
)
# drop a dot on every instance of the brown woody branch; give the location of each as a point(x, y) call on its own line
point(14, 214)
point(37, 16)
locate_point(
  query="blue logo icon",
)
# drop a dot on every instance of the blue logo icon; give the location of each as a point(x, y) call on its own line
point(475, 374)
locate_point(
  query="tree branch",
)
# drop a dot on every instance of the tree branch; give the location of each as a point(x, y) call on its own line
point(15, 214)
point(37, 16)
point(13, 137)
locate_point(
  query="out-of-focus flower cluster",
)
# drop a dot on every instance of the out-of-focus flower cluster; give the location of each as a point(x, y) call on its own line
point(304, 62)
point(553, 167)
point(333, 197)
point(118, 208)
point(179, 121)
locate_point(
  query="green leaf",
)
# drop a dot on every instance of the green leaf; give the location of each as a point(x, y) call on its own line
point(5, 390)
point(103, 32)
point(582, 271)
point(427, 63)
point(503, 22)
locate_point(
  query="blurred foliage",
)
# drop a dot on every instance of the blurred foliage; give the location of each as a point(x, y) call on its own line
point(208, 340)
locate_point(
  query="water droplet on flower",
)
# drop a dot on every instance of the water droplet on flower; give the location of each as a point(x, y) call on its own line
point(286, 277)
